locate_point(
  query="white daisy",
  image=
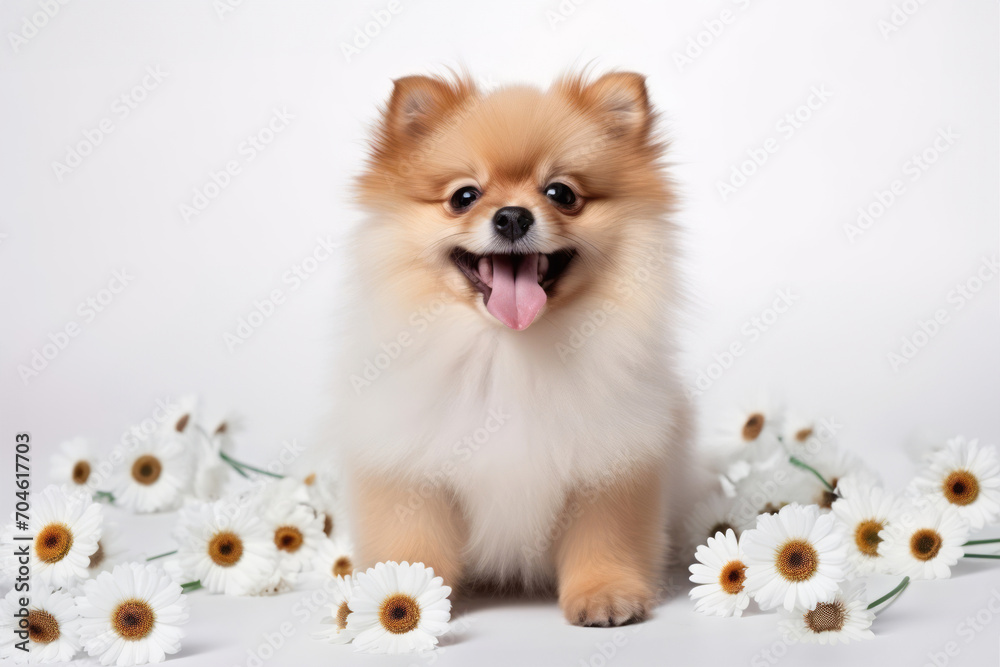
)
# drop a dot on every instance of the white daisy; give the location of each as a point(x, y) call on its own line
point(794, 558)
point(333, 559)
point(132, 615)
point(924, 542)
point(398, 608)
point(863, 511)
point(965, 475)
point(183, 413)
point(297, 532)
point(229, 550)
point(799, 434)
point(52, 624)
point(751, 433)
point(340, 610)
point(110, 551)
point(73, 464)
point(66, 527)
point(716, 514)
point(844, 618)
point(720, 571)
point(155, 475)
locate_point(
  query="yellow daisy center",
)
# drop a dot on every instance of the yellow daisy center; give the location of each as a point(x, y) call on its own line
point(732, 576)
point(182, 423)
point(146, 469)
point(342, 567)
point(288, 538)
point(327, 525)
point(753, 426)
point(133, 619)
point(826, 617)
point(343, 611)
point(399, 613)
point(961, 487)
point(42, 626)
point(81, 472)
point(803, 434)
point(925, 544)
point(225, 548)
point(53, 542)
point(310, 479)
point(796, 560)
point(866, 537)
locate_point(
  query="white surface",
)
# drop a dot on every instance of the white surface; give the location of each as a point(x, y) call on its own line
point(162, 336)
point(926, 620)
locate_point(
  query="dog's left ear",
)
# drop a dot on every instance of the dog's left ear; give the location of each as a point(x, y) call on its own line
point(418, 101)
point(621, 98)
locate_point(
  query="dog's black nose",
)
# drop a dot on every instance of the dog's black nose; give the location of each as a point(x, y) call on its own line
point(513, 221)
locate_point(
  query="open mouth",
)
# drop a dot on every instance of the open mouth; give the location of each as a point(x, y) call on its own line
point(514, 287)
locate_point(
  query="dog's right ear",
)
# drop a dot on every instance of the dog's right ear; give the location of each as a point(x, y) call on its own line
point(417, 101)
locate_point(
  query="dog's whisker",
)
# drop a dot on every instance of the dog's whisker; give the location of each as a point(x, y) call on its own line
point(594, 255)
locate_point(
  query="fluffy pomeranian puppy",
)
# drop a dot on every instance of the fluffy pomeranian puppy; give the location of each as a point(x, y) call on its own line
point(511, 411)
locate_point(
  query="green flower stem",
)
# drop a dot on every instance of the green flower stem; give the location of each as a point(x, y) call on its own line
point(191, 586)
point(974, 542)
point(105, 495)
point(895, 591)
point(236, 464)
point(982, 556)
point(164, 555)
point(805, 466)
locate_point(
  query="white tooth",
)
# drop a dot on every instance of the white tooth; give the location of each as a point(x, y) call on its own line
point(543, 266)
point(486, 270)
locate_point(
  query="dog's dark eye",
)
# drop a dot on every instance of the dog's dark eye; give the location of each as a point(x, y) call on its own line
point(464, 198)
point(560, 194)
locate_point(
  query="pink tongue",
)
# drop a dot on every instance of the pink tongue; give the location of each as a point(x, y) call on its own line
point(515, 299)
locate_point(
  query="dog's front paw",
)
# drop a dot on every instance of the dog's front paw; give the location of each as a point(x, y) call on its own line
point(606, 604)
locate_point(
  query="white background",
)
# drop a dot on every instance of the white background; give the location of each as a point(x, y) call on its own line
point(163, 335)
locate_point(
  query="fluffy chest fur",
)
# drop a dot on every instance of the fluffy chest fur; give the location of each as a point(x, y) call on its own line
point(508, 423)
